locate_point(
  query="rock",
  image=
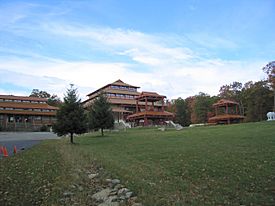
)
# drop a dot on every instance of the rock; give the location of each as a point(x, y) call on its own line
point(92, 176)
point(137, 204)
point(109, 204)
point(108, 180)
point(102, 195)
point(118, 186)
point(67, 194)
point(80, 188)
point(128, 194)
point(111, 199)
point(72, 186)
point(113, 192)
point(123, 191)
point(115, 181)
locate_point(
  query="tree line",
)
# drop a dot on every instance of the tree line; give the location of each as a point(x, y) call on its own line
point(255, 99)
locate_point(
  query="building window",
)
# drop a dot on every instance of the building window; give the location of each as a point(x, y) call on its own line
point(37, 118)
point(10, 119)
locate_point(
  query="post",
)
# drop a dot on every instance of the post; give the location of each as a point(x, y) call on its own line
point(136, 106)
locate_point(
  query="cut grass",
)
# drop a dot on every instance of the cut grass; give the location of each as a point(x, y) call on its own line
point(221, 165)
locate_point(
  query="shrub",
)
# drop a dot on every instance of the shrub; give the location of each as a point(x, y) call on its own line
point(44, 128)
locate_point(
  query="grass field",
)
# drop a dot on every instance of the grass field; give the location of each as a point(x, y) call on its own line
point(219, 165)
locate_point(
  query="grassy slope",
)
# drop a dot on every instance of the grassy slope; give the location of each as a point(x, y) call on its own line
point(213, 165)
point(221, 165)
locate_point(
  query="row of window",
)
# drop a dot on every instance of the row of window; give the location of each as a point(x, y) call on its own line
point(124, 88)
point(26, 118)
point(28, 109)
point(24, 101)
point(122, 96)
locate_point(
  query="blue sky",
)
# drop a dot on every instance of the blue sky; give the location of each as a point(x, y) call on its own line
point(177, 48)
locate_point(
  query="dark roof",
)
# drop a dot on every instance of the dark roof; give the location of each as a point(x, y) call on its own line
point(224, 102)
point(12, 97)
point(151, 96)
point(23, 105)
point(116, 83)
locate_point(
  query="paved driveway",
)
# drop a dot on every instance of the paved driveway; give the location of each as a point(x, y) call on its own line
point(23, 140)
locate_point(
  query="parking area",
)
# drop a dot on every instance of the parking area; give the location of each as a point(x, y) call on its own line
point(23, 140)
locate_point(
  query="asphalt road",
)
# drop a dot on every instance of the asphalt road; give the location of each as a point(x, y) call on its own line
point(23, 140)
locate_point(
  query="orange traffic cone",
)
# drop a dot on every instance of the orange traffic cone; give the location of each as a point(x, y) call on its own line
point(5, 152)
point(14, 149)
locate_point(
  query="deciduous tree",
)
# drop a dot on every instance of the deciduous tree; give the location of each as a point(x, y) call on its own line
point(182, 112)
point(269, 69)
point(52, 100)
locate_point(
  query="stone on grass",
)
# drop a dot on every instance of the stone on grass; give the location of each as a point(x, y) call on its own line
point(92, 176)
point(102, 195)
point(67, 194)
point(109, 204)
point(115, 181)
point(128, 194)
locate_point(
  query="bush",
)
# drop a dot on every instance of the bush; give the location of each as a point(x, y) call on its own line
point(44, 128)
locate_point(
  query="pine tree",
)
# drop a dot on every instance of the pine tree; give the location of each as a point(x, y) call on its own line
point(70, 117)
point(100, 114)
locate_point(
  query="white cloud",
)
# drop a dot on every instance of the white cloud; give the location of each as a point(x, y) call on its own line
point(155, 65)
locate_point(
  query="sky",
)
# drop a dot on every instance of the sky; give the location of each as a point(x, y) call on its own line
point(177, 48)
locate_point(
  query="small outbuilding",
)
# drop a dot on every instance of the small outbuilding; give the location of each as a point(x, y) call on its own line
point(226, 112)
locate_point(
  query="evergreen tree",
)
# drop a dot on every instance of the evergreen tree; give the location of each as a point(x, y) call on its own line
point(100, 114)
point(70, 117)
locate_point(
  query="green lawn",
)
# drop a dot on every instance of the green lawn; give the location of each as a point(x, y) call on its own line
point(219, 165)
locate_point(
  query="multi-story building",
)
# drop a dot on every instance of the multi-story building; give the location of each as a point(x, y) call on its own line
point(123, 99)
point(25, 113)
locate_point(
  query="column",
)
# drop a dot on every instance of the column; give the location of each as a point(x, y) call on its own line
point(162, 105)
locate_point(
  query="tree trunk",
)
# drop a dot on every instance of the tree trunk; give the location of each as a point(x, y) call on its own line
point(274, 102)
point(102, 134)
point(72, 137)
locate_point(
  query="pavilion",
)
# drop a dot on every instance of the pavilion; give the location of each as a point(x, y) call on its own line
point(150, 110)
point(226, 112)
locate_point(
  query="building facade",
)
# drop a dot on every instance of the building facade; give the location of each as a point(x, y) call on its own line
point(19, 113)
point(123, 99)
point(120, 95)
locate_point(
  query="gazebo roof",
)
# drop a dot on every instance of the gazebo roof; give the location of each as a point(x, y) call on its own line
point(223, 102)
point(151, 96)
